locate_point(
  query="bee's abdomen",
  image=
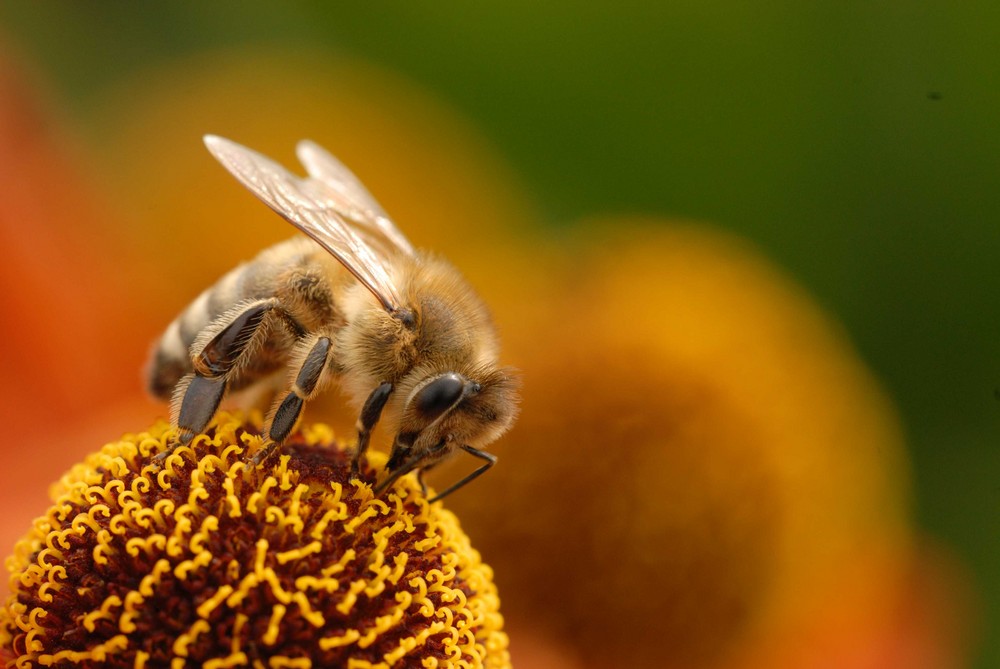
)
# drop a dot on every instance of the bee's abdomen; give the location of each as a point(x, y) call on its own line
point(171, 358)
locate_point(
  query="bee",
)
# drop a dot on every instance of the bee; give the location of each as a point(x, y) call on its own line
point(350, 302)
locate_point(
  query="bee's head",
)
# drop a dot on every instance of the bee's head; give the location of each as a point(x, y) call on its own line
point(449, 410)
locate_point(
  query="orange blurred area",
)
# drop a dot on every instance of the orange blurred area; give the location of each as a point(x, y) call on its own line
point(700, 460)
point(704, 473)
point(71, 354)
point(901, 609)
point(60, 270)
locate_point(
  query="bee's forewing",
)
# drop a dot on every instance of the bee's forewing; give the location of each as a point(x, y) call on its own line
point(312, 207)
point(348, 195)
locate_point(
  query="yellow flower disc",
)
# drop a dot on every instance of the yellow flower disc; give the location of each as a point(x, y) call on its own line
point(208, 561)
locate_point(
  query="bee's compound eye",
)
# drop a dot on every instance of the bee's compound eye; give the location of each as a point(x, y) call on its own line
point(439, 395)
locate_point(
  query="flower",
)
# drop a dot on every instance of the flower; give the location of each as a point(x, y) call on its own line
point(209, 560)
point(702, 458)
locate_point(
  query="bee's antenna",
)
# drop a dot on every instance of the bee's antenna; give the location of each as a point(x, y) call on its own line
point(483, 455)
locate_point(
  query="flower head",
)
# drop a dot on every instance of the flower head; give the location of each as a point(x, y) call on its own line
point(208, 560)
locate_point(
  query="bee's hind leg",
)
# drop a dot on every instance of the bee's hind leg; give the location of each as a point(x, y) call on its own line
point(200, 402)
point(307, 383)
point(199, 396)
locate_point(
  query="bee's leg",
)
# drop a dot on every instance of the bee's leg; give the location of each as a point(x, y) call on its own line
point(219, 355)
point(198, 401)
point(483, 455)
point(370, 414)
point(307, 381)
point(420, 479)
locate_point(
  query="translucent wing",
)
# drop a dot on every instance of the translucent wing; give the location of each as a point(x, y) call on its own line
point(310, 206)
point(348, 195)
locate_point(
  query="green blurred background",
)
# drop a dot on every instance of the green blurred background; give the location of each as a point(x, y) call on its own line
point(856, 143)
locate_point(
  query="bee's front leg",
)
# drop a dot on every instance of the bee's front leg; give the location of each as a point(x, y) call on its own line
point(370, 414)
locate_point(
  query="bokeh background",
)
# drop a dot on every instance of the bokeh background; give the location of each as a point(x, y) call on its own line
point(842, 157)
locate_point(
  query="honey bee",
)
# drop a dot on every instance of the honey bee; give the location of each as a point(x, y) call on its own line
point(349, 302)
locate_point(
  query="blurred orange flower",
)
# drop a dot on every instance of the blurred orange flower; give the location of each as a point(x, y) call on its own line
point(69, 347)
point(701, 454)
point(704, 474)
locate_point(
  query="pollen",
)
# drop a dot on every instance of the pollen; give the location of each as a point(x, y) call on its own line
point(206, 560)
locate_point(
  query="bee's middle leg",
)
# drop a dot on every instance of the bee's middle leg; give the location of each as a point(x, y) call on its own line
point(306, 385)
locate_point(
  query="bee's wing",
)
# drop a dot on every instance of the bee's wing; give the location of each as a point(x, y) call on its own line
point(348, 195)
point(307, 204)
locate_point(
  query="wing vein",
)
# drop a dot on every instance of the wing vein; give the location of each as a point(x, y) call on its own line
point(323, 206)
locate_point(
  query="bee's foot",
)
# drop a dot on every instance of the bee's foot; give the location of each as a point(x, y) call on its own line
point(264, 454)
point(182, 439)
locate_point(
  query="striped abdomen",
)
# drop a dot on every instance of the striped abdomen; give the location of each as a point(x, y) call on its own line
point(171, 358)
point(288, 271)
